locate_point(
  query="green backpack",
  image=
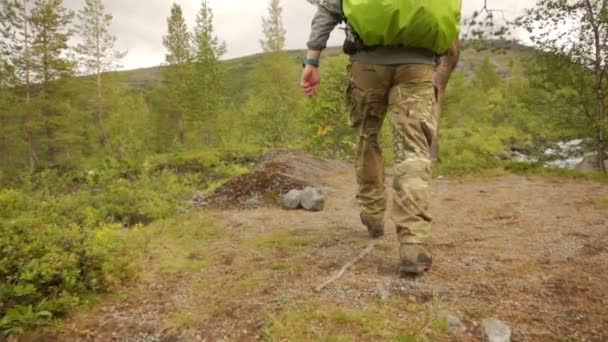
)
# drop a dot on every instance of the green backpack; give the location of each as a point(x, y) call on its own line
point(430, 24)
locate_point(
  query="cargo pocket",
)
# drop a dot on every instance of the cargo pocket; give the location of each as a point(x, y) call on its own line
point(356, 105)
point(364, 104)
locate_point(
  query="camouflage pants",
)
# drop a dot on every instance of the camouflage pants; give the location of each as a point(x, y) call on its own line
point(407, 94)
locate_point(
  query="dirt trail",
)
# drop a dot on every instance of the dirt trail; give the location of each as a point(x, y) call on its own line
point(530, 251)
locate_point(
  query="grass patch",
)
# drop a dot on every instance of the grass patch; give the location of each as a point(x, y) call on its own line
point(396, 319)
point(601, 202)
point(181, 320)
point(248, 283)
point(540, 170)
point(183, 243)
point(475, 311)
point(283, 240)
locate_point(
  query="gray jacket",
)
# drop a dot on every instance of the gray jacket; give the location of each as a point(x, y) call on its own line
point(329, 15)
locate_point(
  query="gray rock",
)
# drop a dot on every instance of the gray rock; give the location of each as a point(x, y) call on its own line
point(522, 158)
point(589, 163)
point(292, 199)
point(313, 199)
point(569, 163)
point(495, 330)
point(455, 325)
point(505, 155)
point(199, 199)
point(519, 148)
point(383, 292)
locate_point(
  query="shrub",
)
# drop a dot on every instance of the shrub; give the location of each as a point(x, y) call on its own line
point(45, 268)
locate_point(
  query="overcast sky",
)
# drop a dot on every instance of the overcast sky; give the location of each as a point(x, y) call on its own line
point(140, 24)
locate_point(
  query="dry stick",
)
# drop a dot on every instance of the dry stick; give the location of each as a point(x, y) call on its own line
point(348, 265)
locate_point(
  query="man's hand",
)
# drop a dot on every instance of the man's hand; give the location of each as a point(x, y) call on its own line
point(447, 65)
point(311, 80)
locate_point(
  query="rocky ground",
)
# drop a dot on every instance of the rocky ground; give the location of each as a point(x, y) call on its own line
point(530, 252)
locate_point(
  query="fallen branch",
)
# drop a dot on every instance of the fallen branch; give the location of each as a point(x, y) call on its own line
point(348, 265)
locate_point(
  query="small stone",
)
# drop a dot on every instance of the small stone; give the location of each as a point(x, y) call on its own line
point(199, 198)
point(455, 325)
point(589, 163)
point(495, 330)
point(383, 293)
point(292, 199)
point(313, 199)
point(518, 148)
point(505, 155)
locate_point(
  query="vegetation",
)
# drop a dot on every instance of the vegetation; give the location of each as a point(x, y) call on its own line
point(89, 156)
point(581, 47)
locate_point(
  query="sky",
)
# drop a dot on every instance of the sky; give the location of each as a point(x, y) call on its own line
point(139, 25)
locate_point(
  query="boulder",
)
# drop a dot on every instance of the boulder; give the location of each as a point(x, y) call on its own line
point(519, 157)
point(495, 330)
point(505, 155)
point(292, 199)
point(569, 163)
point(312, 199)
point(589, 163)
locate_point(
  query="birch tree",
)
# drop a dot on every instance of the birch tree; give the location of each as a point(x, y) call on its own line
point(97, 53)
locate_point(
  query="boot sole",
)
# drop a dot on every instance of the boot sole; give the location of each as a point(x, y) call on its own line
point(375, 235)
point(414, 269)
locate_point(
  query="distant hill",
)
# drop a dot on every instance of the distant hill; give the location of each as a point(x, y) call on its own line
point(240, 68)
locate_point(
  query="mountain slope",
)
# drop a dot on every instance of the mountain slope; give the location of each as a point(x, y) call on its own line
point(238, 69)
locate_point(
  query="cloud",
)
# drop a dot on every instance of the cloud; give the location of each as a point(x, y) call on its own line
point(140, 24)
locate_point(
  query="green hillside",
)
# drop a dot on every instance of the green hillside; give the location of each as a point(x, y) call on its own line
point(239, 69)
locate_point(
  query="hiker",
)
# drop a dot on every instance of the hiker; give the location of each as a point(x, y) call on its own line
point(392, 71)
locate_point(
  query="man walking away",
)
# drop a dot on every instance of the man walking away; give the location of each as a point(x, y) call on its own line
point(394, 47)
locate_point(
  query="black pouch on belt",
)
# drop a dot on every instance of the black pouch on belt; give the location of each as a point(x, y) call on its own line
point(352, 43)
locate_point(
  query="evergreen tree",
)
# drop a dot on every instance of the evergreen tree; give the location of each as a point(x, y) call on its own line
point(272, 26)
point(97, 52)
point(17, 66)
point(177, 71)
point(7, 13)
point(26, 71)
point(486, 75)
point(276, 102)
point(177, 40)
point(208, 85)
point(50, 25)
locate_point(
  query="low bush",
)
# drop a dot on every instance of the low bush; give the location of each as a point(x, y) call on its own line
point(65, 234)
point(45, 267)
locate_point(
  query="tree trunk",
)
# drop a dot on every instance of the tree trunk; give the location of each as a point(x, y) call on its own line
point(98, 67)
point(181, 130)
point(28, 96)
point(100, 114)
point(600, 107)
point(601, 139)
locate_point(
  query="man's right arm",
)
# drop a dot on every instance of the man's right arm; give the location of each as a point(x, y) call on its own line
point(328, 16)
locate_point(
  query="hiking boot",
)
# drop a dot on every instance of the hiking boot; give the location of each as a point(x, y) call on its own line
point(375, 228)
point(415, 260)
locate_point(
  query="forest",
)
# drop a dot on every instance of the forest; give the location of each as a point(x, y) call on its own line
point(91, 155)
